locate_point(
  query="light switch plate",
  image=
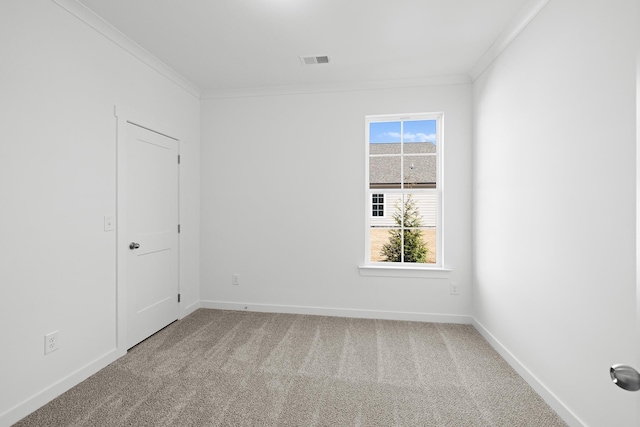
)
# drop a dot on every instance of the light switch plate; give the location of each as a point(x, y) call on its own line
point(454, 289)
point(109, 223)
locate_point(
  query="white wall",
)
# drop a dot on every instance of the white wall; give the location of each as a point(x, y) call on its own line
point(283, 204)
point(553, 124)
point(554, 272)
point(59, 82)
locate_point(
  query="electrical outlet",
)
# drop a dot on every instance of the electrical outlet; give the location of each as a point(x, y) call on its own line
point(454, 289)
point(235, 279)
point(51, 342)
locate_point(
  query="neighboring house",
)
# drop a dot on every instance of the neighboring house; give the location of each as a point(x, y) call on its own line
point(384, 173)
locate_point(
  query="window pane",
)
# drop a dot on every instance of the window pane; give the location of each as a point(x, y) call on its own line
point(412, 215)
point(419, 147)
point(384, 172)
point(415, 215)
point(419, 136)
point(420, 245)
point(384, 148)
point(384, 138)
point(420, 210)
point(384, 132)
point(381, 239)
point(420, 171)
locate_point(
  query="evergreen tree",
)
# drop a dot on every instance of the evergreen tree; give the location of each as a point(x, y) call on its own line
point(415, 249)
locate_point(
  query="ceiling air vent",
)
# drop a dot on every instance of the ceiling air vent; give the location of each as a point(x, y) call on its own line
point(312, 60)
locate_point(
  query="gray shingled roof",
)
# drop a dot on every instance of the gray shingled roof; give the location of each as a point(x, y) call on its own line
point(409, 148)
point(384, 172)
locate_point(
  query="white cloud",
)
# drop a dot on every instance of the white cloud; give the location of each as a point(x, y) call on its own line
point(413, 137)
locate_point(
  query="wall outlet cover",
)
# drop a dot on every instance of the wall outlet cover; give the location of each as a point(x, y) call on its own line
point(51, 342)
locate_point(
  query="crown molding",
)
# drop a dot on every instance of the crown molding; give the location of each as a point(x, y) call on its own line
point(94, 21)
point(335, 87)
point(515, 27)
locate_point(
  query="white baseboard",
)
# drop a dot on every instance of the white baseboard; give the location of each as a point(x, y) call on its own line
point(552, 400)
point(26, 407)
point(339, 312)
point(23, 409)
point(189, 309)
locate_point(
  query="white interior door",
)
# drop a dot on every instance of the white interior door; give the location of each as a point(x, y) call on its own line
point(152, 227)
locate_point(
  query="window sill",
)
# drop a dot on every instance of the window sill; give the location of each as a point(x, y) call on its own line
point(376, 270)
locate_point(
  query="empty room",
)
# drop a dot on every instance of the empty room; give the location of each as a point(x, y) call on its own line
point(316, 212)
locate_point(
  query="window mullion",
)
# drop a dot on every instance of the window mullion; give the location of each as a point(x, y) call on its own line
point(402, 190)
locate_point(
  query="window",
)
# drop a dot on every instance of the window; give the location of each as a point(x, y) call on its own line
point(377, 205)
point(403, 158)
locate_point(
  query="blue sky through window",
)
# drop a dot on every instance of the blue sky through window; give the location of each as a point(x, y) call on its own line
point(414, 131)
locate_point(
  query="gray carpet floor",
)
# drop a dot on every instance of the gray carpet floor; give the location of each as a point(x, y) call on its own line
point(231, 368)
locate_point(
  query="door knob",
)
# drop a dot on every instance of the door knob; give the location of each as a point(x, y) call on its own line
point(625, 377)
point(134, 245)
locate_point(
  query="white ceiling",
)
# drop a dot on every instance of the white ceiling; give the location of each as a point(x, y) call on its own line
point(240, 44)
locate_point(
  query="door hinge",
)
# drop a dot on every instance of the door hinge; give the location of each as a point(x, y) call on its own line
point(178, 158)
point(178, 228)
point(178, 297)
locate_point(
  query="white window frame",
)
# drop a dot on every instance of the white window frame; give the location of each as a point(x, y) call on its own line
point(402, 269)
